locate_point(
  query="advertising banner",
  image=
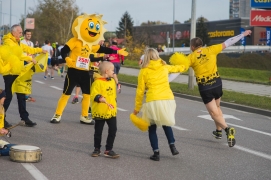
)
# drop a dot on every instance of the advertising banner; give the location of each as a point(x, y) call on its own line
point(243, 40)
point(268, 36)
point(260, 17)
point(260, 4)
point(29, 23)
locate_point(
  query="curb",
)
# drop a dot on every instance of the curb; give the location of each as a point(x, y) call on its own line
point(224, 104)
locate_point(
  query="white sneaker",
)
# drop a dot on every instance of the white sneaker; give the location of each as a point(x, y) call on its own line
point(56, 119)
point(86, 120)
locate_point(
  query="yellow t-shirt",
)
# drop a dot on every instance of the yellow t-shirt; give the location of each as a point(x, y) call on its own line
point(79, 51)
point(204, 61)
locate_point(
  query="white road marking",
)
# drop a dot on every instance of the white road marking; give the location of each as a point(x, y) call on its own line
point(40, 82)
point(226, 116)
point(56, 88)
point(122, 109)
point(179, 128)
point(34, 171)
point(260, 154)
point(254, 130)
point(246, 128)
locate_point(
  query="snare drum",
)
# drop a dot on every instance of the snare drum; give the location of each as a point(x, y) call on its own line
point(25, 153)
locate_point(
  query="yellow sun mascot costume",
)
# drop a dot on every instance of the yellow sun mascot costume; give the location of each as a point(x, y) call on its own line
point(88, 30)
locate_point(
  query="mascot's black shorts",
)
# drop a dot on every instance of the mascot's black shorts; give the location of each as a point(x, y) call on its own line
point(76, 77)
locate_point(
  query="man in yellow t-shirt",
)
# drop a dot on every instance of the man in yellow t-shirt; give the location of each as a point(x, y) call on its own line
point(204, 62)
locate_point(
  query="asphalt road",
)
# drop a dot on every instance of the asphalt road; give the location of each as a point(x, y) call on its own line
point(67, 146)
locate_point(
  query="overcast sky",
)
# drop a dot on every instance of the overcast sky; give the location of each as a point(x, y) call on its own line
point(140, 10)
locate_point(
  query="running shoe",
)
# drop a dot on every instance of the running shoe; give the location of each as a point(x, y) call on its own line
point(86, 120)
point(56, 119)
point(96, 152)
point(111, 154)
point(217, 134)
point(230, 131)
point(75, 100)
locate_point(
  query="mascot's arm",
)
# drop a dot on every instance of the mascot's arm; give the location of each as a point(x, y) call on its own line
point(106, 50)
point(64, 54)
point(64, 51)
point(95, 59)
point(140, 90)
point(30, 50)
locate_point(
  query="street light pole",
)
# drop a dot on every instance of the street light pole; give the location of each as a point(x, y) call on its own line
point(173, 36)
point(192, 35)
point(1, 18)
point(24, 14)
point(10, 14)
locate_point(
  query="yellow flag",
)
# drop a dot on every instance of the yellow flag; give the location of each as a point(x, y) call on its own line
point(41, 65)
point(23, 83)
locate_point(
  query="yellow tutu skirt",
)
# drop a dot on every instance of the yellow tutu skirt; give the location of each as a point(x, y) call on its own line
point(161, 112)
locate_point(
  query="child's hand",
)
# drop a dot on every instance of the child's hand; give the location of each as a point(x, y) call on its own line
point(3, 131)
point(118, 87)
point(102, 99)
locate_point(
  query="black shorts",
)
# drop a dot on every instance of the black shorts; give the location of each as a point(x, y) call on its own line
point(210, 94)
point(61, 61)
point(54, 61)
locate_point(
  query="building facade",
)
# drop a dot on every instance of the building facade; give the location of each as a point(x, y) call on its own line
point(239, 9)
point(218, 32)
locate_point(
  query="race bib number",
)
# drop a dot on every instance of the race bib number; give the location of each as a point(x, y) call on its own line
point(82, 62)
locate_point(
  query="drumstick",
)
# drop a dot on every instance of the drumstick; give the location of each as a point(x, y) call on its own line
point(110, 106)
point(9, 132)
point(20, 123)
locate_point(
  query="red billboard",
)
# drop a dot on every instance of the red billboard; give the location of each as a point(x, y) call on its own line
point(260, 18)
point(29, 23)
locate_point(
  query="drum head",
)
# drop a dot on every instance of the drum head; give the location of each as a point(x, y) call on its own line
point(25, 147)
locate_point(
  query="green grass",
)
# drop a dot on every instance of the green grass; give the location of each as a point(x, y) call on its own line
point(235, 74)
point(247, 75)
point(228, 96)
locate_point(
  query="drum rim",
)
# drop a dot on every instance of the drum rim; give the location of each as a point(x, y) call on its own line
point(24, 145)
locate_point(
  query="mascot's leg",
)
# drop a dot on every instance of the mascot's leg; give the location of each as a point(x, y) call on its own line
point(84, 114)
point(62, 102)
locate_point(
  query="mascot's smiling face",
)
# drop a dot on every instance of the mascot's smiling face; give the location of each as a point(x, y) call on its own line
point(89, 28)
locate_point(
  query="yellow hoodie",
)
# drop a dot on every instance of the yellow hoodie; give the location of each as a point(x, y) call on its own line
point(107, 89)
point(11, 53)
point(154, 79)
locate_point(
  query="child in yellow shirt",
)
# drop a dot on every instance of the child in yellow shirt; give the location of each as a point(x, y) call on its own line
point(103, 99)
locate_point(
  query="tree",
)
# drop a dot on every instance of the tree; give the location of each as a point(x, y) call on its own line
point(150, 23)
point(177, 22)
point(187, 21)
point(199, 18)
point(201, 30)
point(53, 20)
point(126, 24)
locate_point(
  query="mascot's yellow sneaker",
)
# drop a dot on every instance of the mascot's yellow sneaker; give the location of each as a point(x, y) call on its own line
point(56, 119)
point(86, 120)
